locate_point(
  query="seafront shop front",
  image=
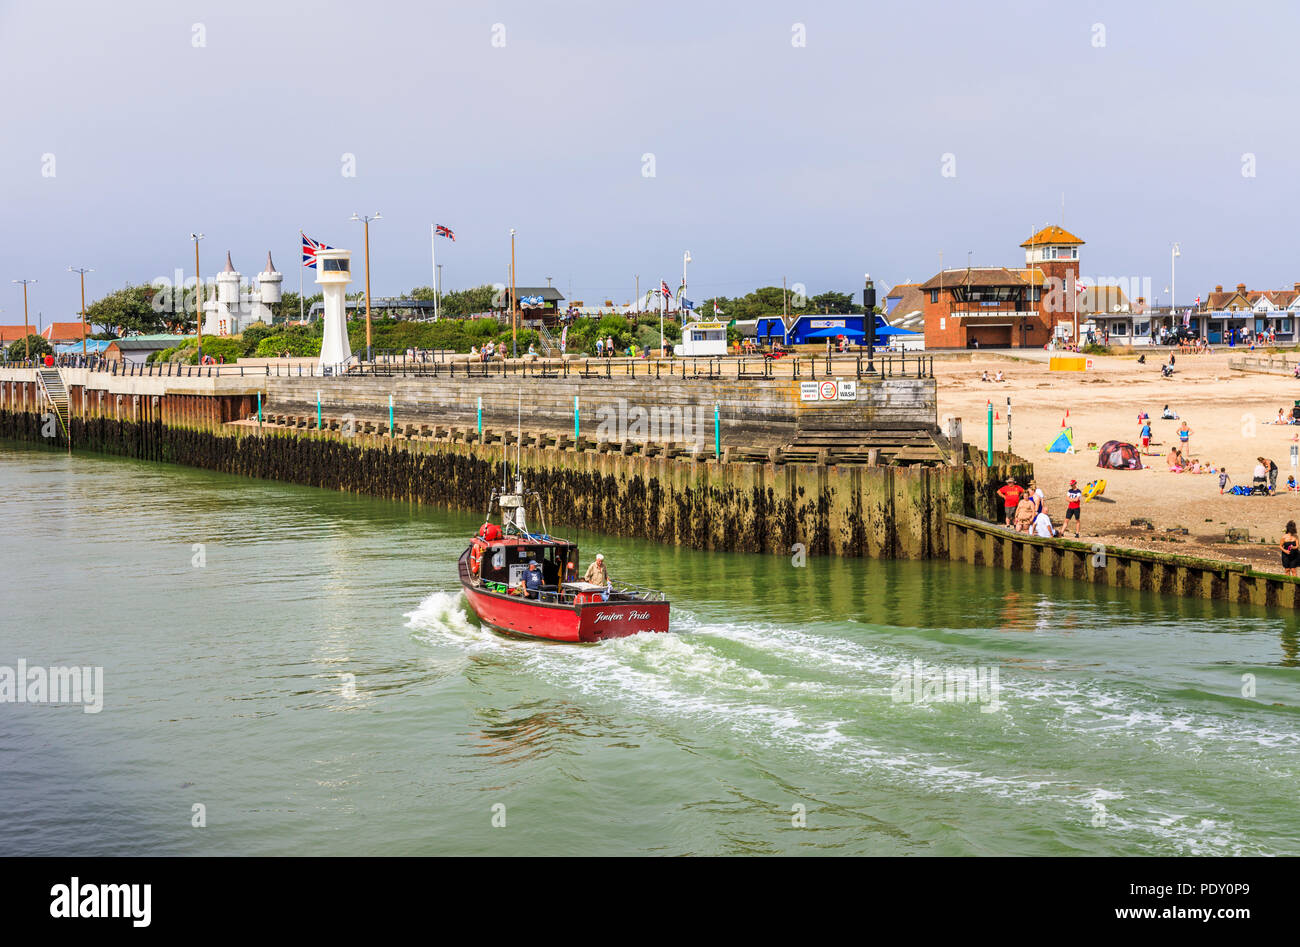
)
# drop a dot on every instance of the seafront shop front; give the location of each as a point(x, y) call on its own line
point(1146, 329)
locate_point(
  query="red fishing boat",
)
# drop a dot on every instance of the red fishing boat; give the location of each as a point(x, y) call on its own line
point(494, 572)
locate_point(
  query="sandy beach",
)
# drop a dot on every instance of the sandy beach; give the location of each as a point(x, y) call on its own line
point(1231, 414)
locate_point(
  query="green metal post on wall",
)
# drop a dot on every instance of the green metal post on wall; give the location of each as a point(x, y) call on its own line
point(259, 409)
point(480, 419)
point(390, 417)
point(990, 463)
point(318, 420)
point(717, 433)
point(575, 420)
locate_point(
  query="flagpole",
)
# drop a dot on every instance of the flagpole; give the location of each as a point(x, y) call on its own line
point(433, 252)
point(301, 317)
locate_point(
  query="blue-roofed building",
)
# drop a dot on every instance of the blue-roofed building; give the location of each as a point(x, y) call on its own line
point(813, 329)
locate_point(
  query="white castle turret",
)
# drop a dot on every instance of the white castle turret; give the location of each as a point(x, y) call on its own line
point(268, 282)
point(333, 273)
point(228, 283)
point(235, 307)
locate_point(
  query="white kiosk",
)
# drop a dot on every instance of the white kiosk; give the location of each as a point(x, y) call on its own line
point(333, 273)
point(702, 339)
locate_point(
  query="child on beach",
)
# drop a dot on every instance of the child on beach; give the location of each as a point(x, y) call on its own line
point(1025, 513)
point(1073, 502)
point(1145, 434)
point(1184, 434)
point(1290, 484)
point(1224, 480)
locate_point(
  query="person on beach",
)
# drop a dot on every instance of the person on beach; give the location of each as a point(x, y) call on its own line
point(1260, 477)
point(1224, 479)
point(1175, 460)
point(1145, 434)
point(1167, 415)
point(1026, 510)
point(1043, 525)
point(1271, 472)
point(1036, 494)
point(600, 347)
point(1290, 546)
point(1010, 493)
point(1184, 434)
point(1290, 484)
point(1073, 507)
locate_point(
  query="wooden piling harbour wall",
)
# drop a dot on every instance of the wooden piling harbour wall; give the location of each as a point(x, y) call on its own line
point(987, 544)
point(690, 499)
point(847, 510)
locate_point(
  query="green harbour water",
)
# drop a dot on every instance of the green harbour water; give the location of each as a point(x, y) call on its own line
point(301, 665)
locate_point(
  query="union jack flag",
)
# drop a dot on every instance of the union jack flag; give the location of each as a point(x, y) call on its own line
point(309, 248)
point(445, 232)
point(664, 290)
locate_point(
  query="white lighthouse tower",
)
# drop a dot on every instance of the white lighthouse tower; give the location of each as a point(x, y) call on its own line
point(333, 273)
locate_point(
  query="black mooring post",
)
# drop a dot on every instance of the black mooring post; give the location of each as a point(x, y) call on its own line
point(869, 321)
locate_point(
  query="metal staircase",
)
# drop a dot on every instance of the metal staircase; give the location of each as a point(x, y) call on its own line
point(56, 394)
point(550, 346)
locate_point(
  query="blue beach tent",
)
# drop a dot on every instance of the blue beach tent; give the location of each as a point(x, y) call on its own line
point(1064, 443)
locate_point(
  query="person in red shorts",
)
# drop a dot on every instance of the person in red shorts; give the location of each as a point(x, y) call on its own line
point(1073, 502)
point(1010, 494)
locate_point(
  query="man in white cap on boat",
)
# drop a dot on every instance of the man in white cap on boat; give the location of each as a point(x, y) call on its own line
point(596, 573)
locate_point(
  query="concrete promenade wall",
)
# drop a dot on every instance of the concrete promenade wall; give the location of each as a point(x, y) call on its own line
point(753, 412)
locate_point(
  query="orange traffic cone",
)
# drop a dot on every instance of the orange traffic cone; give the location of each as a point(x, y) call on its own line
point(997, 416)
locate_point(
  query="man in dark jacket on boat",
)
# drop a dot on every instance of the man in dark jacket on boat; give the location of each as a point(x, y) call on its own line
point(533, 579)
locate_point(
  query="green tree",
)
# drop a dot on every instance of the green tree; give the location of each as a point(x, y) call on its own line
point(19, 348)
point(287, 309)
point(467, 302)
point(253, 335)
point(133, 309)
point(764, 301)
point(833, 302)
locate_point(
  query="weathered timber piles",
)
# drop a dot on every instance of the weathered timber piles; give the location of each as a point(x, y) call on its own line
point(847, 510)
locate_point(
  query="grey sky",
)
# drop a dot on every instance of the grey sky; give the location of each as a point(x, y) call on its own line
point(816, 163)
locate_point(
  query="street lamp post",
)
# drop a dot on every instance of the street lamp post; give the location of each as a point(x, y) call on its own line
point(83, 270)
point(1174, 254)
point(198, 294)
point(869, 320)
point(365, 219)
point(27, 342)
point(514, 302)
point(681, 306)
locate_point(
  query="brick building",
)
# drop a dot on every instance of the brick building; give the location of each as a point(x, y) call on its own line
point(1002, 307)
